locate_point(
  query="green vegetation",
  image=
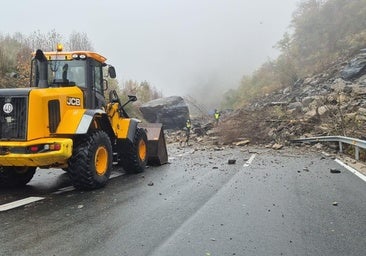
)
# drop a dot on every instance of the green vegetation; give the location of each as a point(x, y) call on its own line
point(15, 59)
point(322, 32)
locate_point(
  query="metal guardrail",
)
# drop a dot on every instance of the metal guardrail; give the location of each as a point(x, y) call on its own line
point(357, 143)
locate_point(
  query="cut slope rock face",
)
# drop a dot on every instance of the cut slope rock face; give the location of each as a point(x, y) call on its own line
point(329, 103)
point(356, 67)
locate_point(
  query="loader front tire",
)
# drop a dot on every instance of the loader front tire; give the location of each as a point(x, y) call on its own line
point(91, 162)
point(15, 176)
point(134, 157)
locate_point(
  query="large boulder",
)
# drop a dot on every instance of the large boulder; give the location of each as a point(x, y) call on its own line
point(172, 112)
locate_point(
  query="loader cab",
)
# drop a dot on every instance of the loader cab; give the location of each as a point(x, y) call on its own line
point(83, 69)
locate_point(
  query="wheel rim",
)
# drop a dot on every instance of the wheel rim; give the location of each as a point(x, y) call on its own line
point(142, 150)
point(101, 161)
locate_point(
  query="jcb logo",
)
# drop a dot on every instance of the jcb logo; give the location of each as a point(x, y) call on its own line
point(71, 101)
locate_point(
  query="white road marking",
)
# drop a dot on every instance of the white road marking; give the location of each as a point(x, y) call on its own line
point(18, 203)
point(28, 200)
point(250, 160)
point(354, 171)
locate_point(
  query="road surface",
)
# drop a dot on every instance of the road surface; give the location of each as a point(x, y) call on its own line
point(284, 202)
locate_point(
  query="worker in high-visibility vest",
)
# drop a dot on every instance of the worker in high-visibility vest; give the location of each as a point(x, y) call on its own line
point(188, 130)
point(217, 116)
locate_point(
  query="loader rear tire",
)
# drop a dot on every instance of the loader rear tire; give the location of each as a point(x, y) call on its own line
point(15, 176)
point(91, 162)
point(134, 158)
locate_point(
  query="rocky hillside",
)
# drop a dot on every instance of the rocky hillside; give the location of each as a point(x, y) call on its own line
point(330, 103)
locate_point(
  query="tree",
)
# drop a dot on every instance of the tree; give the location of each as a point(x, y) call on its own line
point(45, 42)
point(79, 41)
point(230, 99)
point(11, 61)
point(325, 30)
point(143, 90)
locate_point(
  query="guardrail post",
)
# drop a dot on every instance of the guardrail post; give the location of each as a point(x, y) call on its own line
point(340, 147)
point(357, 153)
point(357, 143)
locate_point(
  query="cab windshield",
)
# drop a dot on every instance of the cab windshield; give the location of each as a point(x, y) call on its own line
point(66, 72)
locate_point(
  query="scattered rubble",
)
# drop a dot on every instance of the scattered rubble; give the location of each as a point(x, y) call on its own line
point(329, 103)
point(324, 104)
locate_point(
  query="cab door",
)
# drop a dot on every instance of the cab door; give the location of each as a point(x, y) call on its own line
point(95, 92)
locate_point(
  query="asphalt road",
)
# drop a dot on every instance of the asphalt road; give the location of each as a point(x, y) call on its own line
point(284, 202)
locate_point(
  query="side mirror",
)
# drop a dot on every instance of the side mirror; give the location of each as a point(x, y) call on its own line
point(112, 72)
point(132, 98)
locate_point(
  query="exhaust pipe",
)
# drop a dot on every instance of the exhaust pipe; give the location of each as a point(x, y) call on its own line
point(43, 69)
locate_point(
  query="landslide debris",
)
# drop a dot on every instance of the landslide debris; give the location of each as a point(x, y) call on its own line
point(330, 103)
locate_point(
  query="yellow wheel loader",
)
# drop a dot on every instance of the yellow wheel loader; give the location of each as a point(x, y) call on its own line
point(63, 120)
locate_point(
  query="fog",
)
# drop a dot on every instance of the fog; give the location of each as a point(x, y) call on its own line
point(181, 47)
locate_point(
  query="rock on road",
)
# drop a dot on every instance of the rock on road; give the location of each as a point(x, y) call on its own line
point(284, 202)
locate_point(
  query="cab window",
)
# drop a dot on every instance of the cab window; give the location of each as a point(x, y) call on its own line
point(98, 79)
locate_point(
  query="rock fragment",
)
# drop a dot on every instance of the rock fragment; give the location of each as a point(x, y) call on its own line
point(333, 170)
point(231, 161)
point(242, 143)
point(277, 146)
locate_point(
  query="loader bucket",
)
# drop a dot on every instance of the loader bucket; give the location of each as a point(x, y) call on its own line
point(156, 146)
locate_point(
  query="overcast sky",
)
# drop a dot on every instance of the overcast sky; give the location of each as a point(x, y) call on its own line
point(179, 46)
